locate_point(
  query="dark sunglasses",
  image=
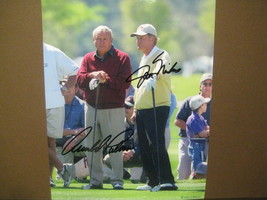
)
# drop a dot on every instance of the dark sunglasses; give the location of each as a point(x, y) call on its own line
point(207, 84)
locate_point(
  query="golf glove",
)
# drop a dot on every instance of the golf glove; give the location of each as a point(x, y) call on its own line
point(151, 83)
point(93, 83)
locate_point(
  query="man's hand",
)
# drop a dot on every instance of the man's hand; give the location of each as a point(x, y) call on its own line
point(80, 132)
point(150, 83)
point(204, 134)
point(70, 144)
point(100, 75)
point(127, 155)
point(78, 135)
point(133, 118)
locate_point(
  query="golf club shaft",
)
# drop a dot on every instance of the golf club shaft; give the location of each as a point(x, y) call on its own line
point(94, 129)
point(156, 130)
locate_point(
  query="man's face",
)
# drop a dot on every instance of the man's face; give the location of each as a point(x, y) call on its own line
point(103, 42)
point(128, 111)
point(144, 42)
point(70, 92)
point(206, 88)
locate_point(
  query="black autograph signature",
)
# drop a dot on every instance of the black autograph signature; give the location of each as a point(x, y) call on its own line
point(98, 145)
point(148, 75)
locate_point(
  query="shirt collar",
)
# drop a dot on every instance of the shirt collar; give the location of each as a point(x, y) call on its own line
point(74, 101)
point(109, 53)
point(155, 48)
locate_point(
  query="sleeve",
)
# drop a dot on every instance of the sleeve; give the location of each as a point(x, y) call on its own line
point(185, 111)
point(195, 127)
point(83, 74)
point(66, 66)
point(173, 104)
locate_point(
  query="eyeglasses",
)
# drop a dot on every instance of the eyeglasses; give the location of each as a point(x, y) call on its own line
point(207, 84)
point(127, 107)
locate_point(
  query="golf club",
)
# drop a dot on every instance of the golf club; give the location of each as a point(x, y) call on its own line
point(156, 188)
point(94, 127)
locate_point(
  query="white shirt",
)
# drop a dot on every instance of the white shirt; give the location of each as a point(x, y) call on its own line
point(57, 66)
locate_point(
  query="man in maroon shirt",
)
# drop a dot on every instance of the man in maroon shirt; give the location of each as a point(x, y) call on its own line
point(106, 68)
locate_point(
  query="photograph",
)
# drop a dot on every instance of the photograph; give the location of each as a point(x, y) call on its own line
point(126, 99)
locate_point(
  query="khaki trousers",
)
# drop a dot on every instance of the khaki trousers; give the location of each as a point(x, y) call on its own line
point(109, 122)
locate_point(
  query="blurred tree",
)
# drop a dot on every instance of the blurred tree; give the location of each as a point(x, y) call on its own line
point(66, 24)
point(112, 19)
point(155, 12)
point(185, 27)
point(207, 18)
point(193, 39)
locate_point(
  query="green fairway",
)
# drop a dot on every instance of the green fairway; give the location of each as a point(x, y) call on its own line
point(193, 189)
point(189, 189)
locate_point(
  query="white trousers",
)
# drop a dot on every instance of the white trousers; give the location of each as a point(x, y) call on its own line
point(184, 166)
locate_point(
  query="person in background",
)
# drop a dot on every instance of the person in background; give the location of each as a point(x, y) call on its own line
point(73, 126)
point(167, 129)
point(57, 65)
point(130, 91)
point(184, 166)
point(102, 76)
point(197, 131)
point(148, 117)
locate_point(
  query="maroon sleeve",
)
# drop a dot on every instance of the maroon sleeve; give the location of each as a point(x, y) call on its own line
point(83, 74)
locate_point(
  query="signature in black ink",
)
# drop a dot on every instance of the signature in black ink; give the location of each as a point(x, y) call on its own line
point(148, 75)
point(98, 145)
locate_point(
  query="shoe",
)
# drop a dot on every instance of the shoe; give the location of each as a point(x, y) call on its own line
point(168, 186)
point(52, 183)
point(65, 174)
point(144, 188)
point(92, 186)
point(118, 186)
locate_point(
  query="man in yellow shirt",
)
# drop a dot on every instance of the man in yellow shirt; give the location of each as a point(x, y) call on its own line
point(152, 106)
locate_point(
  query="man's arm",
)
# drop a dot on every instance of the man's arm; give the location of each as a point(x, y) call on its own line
point(180, 123)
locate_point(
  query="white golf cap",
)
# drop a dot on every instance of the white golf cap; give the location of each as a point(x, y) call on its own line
point(196, 101)
point(206, 76)
point(145, 29)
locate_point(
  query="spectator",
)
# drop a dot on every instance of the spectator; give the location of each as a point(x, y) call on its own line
point(109, 67)
point(56, 66)
point(184, 166)
point(151, 77)
point(167, 129)
point(73, 125)
point(197, 130)
point(130, 91)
